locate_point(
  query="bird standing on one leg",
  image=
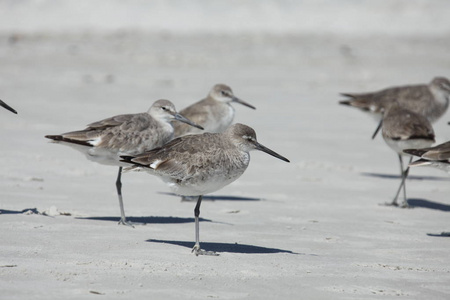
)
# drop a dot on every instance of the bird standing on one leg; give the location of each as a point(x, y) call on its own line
point(403, 129)
point(195, 165)
point(437, 157)
point(106, 140)
point(214, 113)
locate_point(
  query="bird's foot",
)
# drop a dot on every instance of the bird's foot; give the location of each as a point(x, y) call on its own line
point(389, 204)
point(197, 251)
point(405, 205)
point(123, 221)
point(394, 203)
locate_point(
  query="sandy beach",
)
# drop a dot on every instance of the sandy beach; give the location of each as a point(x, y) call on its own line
point(311, 229)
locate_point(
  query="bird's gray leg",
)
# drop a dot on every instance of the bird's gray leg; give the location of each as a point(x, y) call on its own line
point(404, 174)
point(197, 250)
point(123, 219)
point(197, 226)
point(401, 164)
point(394, 202)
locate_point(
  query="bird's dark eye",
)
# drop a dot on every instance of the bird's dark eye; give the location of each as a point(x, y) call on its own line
point(164, 108)
point(224, 93)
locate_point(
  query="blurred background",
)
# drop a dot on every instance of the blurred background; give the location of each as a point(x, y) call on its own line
point(354, 17)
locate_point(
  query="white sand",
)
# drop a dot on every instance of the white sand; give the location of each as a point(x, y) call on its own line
point(311, 229)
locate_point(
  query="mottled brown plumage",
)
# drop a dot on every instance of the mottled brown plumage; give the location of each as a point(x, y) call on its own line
point(129, 134)
point(430, 100)
point(195, 165)
point(400, 124)
point(403, 129)
point(437, 156)
point(214, 113)
point(438, 152)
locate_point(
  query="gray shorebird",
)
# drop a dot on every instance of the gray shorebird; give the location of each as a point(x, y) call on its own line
point(7, 107)
point(403, 129)
point(430, 100)
point(437, 157)
point(214, 113)
point(130, 134)
point(195, 165)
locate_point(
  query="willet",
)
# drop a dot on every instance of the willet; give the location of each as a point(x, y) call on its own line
point(195, 165)
point(403, 129)
point(214, 113)
point(437, 156)
point(7, 107)
point(430, 100)
point(130, 134)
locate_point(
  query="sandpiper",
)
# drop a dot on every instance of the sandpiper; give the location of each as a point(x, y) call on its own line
point(430, 100)
point(130, 134)
point(7, 107)
point(214, 113)
point(403, 129)
point(437, 156)
point(195, 165)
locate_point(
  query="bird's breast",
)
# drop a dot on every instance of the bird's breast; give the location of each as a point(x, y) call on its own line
point(220, 118)
point(212, 175)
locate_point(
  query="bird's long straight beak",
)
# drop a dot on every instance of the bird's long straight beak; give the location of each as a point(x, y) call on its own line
point(7, 107)
point(237, 100)
point(180, 118)
point(268, 151)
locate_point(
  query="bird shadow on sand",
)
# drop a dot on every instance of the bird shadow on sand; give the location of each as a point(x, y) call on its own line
point(147, 220)
point(230, 248)
point(410, 177)
point(18, 212)
point(442, 234)
point(423, 203)
point(215, 198)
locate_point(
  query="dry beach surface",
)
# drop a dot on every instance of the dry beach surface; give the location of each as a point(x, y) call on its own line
point(311, 229)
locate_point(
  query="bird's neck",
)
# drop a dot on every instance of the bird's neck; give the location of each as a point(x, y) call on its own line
point(442, 97)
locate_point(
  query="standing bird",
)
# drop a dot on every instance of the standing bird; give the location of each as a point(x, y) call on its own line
point(106, 140)
point(437, 157)
point(430, 100)
point(195, 165)
point(7, 107)
point(214, 113)
point(403, 129)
